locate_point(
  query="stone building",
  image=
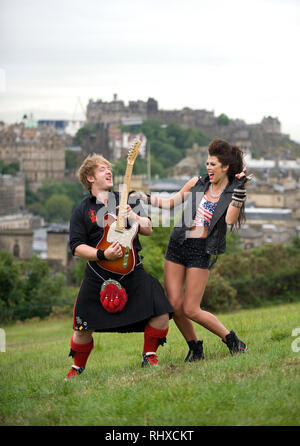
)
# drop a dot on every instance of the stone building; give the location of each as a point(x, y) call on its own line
point(260, 137)
point(193, 163)
point(271, 125)
point(109, 141)
point(116, 110)
point(58, 251)
point(23, 220)
point(250, 237)
point(96, 141)
point(40, 152)
point(17, 241)
point(12, 194)
point(275, 196)
point(268, 225)
point(17, 232)
point(120, 142)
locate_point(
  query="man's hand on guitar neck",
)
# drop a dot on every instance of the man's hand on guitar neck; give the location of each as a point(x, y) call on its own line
point(145, 226)
point(128, 214)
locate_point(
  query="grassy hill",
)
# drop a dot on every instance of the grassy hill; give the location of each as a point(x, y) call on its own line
point(259, 388)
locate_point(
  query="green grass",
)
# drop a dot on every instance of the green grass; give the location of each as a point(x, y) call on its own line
point(259, 388)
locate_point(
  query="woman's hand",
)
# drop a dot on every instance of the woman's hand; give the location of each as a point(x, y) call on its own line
point(140, 195)
point(242, 175)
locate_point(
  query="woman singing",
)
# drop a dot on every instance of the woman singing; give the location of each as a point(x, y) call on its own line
point(212, 202)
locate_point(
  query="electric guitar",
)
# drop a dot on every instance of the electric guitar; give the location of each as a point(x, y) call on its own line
point(114, 228)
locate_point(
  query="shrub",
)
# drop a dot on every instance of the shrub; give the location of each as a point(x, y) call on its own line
point(153, 251)
point(77, 271)
point(281, 285)
point(27, 288)
point(241, 265)
point(219, 294)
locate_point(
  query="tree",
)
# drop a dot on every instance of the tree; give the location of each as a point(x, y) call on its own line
point(83, 131)
point(165, 153)
point(27, 288)
point(58, 208)
point(233, 243)
point(168, 144)
point(223, 119)
point(140, 167)
point(36, 202)
point(11, 287)
point(9, 168)
point(42, 289)
point(77, 271)
point(72, 161)
point(153, 250)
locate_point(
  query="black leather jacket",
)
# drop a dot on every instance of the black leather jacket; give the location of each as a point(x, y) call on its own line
point(216, 239)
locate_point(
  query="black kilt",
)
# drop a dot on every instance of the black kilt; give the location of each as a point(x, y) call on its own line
point(146, 299)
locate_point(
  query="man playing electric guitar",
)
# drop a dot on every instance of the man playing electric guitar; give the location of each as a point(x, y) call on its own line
point(108, 301)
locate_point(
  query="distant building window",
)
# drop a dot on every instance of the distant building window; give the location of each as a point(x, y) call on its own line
point(269, 239)
point(16, 250)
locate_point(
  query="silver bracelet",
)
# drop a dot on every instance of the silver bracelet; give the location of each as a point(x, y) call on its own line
point(239, 198)
point(239, 191)
point(237, 204)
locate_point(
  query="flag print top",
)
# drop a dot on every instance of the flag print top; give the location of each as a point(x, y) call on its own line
point(205, 212)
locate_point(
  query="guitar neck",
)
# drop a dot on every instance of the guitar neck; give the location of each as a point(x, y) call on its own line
point(120, 225)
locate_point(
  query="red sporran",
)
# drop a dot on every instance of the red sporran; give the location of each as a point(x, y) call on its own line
point(113, 296)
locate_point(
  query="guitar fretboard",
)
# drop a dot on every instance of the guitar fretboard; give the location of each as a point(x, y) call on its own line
point(120, 225)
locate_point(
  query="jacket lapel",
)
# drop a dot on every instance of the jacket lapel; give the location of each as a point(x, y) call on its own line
point(222, 205)
point(200, 188)
point(220, 209)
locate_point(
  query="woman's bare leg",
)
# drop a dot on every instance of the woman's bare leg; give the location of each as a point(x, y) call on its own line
point(174, 275)
point(196, 280)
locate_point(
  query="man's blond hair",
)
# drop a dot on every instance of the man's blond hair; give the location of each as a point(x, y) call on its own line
point(88, 167)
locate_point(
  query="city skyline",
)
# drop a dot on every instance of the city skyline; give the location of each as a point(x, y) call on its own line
point(237, 58)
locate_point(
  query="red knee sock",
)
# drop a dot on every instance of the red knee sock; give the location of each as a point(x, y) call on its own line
point(80, 352)
point(153, 337)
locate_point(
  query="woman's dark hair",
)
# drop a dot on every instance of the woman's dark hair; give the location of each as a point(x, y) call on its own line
point(232, 156)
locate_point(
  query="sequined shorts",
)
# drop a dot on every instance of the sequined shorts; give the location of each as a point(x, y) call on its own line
point(191, 254)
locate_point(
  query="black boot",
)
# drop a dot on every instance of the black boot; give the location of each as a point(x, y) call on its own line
point(195, 351)
point(234, 344)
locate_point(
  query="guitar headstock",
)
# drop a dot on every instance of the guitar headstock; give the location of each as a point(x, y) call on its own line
point(133, 151)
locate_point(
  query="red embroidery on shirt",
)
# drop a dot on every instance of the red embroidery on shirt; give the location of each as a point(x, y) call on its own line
point(92, 215)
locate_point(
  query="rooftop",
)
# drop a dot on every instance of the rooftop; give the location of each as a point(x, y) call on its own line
point(268, 213)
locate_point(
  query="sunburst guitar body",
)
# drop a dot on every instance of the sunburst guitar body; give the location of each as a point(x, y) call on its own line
point(114, 227)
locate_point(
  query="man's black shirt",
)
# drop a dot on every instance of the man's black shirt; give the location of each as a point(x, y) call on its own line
point(86, 224)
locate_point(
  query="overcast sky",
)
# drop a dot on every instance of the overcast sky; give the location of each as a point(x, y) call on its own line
point(239, 57)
